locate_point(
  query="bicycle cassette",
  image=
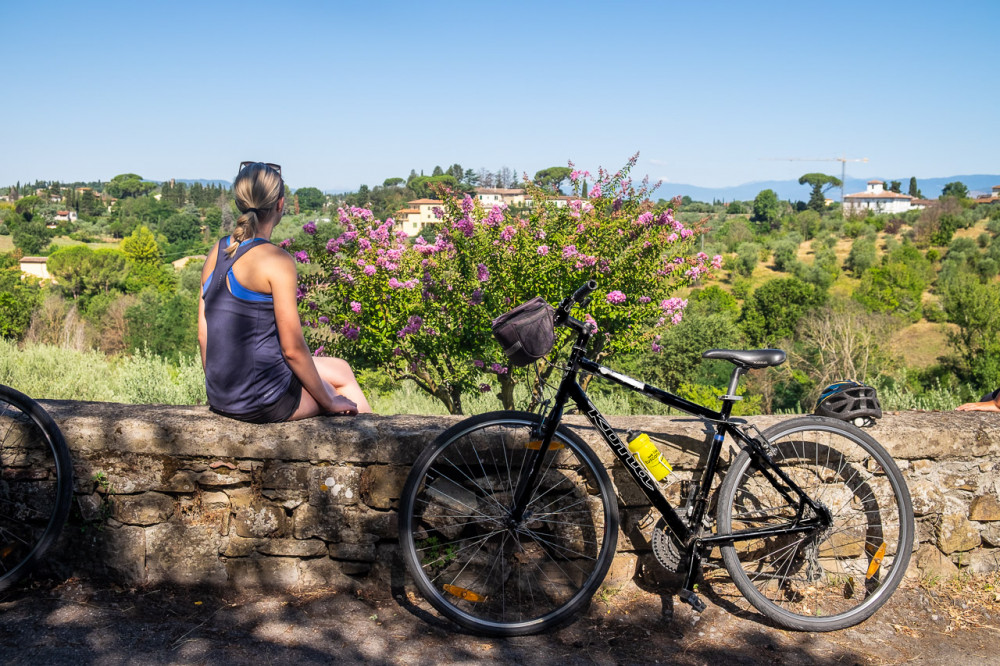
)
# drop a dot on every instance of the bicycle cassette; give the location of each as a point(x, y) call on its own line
point(665, 547)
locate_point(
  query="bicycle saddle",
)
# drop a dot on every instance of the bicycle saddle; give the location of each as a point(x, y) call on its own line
point(751, 358)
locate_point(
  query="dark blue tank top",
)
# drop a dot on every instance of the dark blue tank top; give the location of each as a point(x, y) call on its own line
point(244, 367)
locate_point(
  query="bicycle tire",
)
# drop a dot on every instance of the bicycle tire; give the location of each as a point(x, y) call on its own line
point(826, 579)
point(36, 484)
point(484, 574)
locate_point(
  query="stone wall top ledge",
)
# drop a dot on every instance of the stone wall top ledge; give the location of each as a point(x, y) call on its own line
point(197, 432)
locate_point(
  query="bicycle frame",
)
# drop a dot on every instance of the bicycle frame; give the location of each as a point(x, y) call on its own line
point(687, 532)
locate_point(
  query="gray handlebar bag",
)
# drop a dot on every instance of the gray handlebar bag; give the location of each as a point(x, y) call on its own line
point(526, 333)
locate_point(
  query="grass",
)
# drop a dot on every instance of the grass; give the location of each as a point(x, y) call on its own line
point(920, 344)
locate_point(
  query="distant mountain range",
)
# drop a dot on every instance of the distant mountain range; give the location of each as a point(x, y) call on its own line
point(791, 190)
point(785, 189)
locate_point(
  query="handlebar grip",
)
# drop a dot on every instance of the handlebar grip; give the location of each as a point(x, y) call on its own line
point(584, 291)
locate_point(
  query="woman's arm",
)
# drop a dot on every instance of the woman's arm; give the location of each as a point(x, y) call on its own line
point(988, 406)
point(206, 271)
point(280, 270)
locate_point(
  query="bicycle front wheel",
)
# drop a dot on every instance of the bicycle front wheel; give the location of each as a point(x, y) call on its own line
point(830, 578)
point(476, 565)
point(36, 484)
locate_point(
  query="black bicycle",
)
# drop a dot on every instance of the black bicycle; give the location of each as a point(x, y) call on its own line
point(508, 521)
point(36, 484)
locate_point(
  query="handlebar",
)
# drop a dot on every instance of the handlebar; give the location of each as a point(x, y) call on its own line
point(579, 296)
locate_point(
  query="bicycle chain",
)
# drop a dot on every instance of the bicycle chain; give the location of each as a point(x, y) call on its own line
point(665, 548)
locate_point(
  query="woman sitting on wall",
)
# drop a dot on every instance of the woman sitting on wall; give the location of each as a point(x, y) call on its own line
point(257, 365)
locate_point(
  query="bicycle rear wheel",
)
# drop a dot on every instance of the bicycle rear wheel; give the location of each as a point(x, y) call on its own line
point(36, 484)
point(475, 565)
point(830, 578)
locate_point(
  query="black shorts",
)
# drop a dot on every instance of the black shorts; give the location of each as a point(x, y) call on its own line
point(277, 412)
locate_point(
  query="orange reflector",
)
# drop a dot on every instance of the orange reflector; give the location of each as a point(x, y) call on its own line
point(7, 551)
point(537, 444)
point(463, 593)
point(876, 561)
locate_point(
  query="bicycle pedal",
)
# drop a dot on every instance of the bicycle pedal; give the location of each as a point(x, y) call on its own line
point(693, 600)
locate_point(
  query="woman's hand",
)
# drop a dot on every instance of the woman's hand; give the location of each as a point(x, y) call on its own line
point(988, 406)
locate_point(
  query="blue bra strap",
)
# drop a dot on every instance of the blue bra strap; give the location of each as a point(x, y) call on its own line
point(238, 290)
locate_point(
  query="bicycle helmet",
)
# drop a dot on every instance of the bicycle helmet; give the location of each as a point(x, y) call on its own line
point(850, 401)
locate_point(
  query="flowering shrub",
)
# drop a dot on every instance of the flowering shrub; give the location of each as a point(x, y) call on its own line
point(422, 310)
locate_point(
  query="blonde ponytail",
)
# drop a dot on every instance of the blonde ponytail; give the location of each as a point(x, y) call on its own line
point(257, 190)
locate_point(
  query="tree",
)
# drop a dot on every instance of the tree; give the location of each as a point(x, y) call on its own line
point(438, 171)
point(392, 182)
point(70, 266)
point(975, 308)
point(956, 189)
point(310, 198)
point(181, 228)
point(141, 247)
point(766, 210)
point(551, 179)
point(29, 234)
point(772, 312)
point(19, 297)
point(862, 256)
point(127, 185)
point(895, 186)
point(422, 311)
point(820, 183)
point(914, 191)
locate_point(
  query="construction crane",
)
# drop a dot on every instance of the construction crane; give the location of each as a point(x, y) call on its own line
point(843, 165)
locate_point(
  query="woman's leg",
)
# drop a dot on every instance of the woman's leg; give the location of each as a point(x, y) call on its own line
point(339, 375)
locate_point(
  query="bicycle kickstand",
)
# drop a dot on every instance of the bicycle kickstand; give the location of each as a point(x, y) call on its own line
point(687, 594)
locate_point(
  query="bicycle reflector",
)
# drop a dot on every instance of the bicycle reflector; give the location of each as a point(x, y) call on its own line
point(536, 444)
point(876, 562)
point(462, 593)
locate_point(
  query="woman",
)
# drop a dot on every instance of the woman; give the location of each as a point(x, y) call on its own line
point(257, 365)
point(988, 403)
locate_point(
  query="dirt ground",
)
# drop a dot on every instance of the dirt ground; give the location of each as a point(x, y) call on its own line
point(73, 622)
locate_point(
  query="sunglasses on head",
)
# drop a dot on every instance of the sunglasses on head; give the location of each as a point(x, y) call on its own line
point(276, 167)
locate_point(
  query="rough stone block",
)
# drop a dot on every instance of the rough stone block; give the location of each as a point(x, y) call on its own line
point(123, 554)
point(351, 568)
point(184, 554)
point(335, 486)
point(145, 509)
point(260, 519)
point(181, 481)
point(268, 573)
point(380, 484)
point(90, 506)
point(964, 480)
point(292, 547)
point(214, 500)
point(236, 546)
point(956, 533)
point(352, 551)
point(324, 573)
point(985, 508)
point(981, 561)
point(926, 496)
point(222, 477)
point(363, 525)
point(931, 562)
point(309, 521)
point(622, 570)
point(286, 477)
point(991, 534)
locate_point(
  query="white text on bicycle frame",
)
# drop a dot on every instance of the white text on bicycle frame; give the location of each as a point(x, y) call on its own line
point(620, 448)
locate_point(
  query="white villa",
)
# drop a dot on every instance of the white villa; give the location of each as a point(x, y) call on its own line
point(35, 266)
point(420, 212)
point(879, 200)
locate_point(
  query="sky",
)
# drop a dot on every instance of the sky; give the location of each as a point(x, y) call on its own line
point(709, 93)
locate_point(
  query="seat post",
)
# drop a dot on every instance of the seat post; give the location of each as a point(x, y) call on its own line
point(730, 397)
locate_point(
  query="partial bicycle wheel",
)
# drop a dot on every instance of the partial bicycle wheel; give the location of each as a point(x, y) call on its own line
point(36, 484)
point(825, 579)
point(477, 566)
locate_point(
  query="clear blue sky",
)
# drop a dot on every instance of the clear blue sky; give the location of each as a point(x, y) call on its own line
point(347, 93)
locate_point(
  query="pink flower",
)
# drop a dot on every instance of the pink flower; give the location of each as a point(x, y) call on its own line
point(350, 331)
point(569, 252)
point(319, 350)
point(508, 233)
point(717, 261)
point(309, 227)
point(644, 299)
point(324, 319)
point(478, 363)
point(302, 257)
point(467, 204)
point(285, 243)
point(412, 326)
point(615, 297)
point(543, 250)
point(499, 369)
point(686, 233)
point(364, 244)
point(482, 273)
point(369, 270)
point(672, 238)
point(485, 388)
point(355, 306)
point(595, 191)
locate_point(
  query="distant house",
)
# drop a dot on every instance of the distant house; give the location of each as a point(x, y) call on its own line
point(66, 216)
point(491, 196)
point(878, 200)
point(418, 214)
point(35, 266)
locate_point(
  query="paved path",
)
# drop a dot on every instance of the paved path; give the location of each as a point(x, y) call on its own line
point(74, 623)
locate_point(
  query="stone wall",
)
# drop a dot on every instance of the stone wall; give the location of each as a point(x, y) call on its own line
point(178, 495)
